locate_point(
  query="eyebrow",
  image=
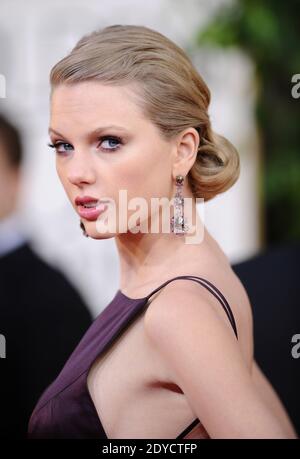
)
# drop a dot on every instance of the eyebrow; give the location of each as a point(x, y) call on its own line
point(94, 132)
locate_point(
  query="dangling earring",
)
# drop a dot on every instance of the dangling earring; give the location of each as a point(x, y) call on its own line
point(178, 222)
point(83, 229)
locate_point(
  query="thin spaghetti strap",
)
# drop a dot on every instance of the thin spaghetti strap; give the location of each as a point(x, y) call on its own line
point(213, 289)
point(222, 297)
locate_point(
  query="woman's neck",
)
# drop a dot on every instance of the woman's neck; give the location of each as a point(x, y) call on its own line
point(145, 257)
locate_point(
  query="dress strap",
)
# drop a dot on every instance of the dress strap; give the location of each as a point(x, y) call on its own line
point(212, 288)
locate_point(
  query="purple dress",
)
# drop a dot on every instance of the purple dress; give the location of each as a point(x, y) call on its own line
point(65, 409)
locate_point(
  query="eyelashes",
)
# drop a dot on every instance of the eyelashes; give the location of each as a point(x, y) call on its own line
point(117, 139)
point(57, 144)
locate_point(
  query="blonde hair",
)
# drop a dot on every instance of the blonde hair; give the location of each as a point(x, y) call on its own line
point(170, 92)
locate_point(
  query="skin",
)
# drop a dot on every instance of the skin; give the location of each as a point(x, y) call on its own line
point(230, 400)
point(146, 165)
point(85, 169)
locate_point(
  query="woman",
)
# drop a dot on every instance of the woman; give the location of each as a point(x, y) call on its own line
point(129, 112)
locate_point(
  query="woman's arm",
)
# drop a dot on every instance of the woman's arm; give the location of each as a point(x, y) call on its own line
point(205, 361)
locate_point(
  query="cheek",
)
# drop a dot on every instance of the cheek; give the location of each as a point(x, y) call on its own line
point(151, 181)
point(60, 172)
point(62, 177)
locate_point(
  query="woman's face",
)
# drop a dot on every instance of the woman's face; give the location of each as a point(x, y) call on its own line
point(95, 160)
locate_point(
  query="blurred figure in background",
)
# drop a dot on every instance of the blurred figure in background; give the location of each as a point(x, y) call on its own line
point(36, 304)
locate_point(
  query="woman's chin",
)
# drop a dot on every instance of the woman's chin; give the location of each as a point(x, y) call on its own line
point(93, 233)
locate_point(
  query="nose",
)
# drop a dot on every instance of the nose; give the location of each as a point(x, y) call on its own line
point(80, 170)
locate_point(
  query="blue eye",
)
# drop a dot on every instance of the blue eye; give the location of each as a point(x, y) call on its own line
point(117, 141)
point(57, 145)
point(109, 138)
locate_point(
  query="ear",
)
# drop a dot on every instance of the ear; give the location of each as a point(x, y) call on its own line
point(185, 151)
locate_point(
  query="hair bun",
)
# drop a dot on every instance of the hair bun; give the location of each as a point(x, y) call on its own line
point(216, 168)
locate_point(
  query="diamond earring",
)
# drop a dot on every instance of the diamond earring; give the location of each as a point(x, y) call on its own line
point(83, 229)
point(178, 222)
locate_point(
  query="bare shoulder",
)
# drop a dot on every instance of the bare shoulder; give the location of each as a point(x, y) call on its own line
point(205, 360)
point(184, 302)
point(186, 331)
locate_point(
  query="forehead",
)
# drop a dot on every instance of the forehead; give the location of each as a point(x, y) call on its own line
point(88, 101)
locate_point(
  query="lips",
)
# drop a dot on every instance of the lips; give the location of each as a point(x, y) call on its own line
point(80, 201)
point(89, 208)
